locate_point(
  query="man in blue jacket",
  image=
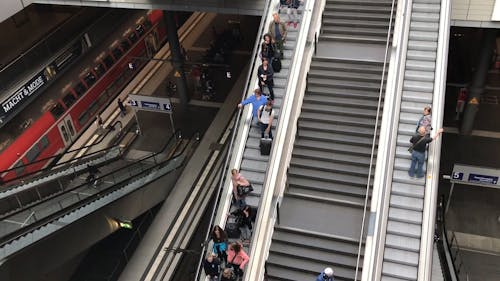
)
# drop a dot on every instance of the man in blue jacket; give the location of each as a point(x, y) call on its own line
point(257, 99)
point(326, 275)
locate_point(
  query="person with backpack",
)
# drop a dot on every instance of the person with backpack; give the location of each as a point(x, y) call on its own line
point(267, 48)
point(211, 266)
point(237, 258)
point(219, 237)
point(265, 74)
point(326, 275)
point(238, 183)
point(266, 116)
point(417, 149)
point(245, 217)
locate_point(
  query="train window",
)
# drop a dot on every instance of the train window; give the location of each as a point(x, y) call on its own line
point(69, 100)
point(133, 37)
point(44, 142)
point(99, 70)
point(140, 29)
point(93, 107)
point(33, 153)
point(117, 53)
point(65, 134)
point(80, 89)
point(57, 110)
point(125, 45)
point(19, 167)
point(89, 79)
point(108, 61)
point(84, 118)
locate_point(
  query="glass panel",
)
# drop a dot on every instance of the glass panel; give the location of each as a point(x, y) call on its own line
point(44, 142)
point(108, 61)
point(19, 168)
point(80, 89)
point(70, 127)
point(57, 110)
point(69, 100)
point(65, 134)
point(89, 79)
point(117, 53)
point(99, 70)
point(84, 117)
point(33, 153)
point(133, 37)
point(125, 45)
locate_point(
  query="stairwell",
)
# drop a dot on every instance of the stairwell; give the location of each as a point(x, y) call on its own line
point(322, 209)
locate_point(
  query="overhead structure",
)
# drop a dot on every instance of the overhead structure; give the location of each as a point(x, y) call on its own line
point(240, 7)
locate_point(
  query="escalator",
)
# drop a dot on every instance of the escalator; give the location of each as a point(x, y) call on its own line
point(42, 218)
point(408, 240)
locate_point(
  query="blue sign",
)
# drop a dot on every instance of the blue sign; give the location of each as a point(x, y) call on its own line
point(150, 105)
point(458, 176)
point(483, 179)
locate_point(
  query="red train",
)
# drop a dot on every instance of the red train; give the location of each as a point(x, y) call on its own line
point(56, 129)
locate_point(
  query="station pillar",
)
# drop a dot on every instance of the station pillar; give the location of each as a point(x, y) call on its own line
point(177, 58)
point(479, 80)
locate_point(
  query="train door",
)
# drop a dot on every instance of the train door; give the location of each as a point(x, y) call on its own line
point(151, 43)
point(67, 130)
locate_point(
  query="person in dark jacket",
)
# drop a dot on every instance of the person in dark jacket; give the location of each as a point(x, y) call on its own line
point(266, 73)
point(211, 265)
point(219, 237)
point(419, 144)
point(245, 216)
point(267, 48)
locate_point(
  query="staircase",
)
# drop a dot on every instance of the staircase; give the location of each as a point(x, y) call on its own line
point(321, 213)
point(402, 245)
point(362, 21)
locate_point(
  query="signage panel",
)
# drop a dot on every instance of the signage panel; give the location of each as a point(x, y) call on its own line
point(157, 104)
point(475, 175)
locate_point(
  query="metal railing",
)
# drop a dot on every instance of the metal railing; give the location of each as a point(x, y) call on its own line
point(375, 134)
point(225, 169)
point(116, 180)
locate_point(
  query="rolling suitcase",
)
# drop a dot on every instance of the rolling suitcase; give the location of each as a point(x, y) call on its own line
point(265, 146)
point(233, 230)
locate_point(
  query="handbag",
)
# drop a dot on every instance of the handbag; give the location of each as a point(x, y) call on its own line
point(410, 149)
point(244, 190)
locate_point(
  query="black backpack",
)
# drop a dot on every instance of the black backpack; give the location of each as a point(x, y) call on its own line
point(244, 190)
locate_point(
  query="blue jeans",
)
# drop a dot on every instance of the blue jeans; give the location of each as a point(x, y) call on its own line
point(417, 159)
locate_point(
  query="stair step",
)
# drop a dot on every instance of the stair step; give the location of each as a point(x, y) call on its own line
point(355, 15)
point(354, 22)
point(347, 101)
point(422, 76)
point(417, 97)
point(336, 128)
point(403, 242)
point(332, 177)
point(355, 30)
point(426, 8)
point(342, 84)
point(402, 215)
point(339, 109)
point(346, 93)
point(401, 256)
point(422, 45)
point(359, 7)
point(346, 66)
point(354, 38)
point(278, 273)
point(358, 76)
point(404, 229)
point(425, 17)
point(421, 55)
point(328, 166)
point(424, 26)
point(332, 138)
point(423, 35)
point(399, 271)
point(338, 157)
point(337, 147)
point(418, 86)
point(338, 118)
point(420, 65)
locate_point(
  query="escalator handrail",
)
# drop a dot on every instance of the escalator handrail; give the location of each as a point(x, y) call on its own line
point(3, 216)
point(49, 167)
point(102, 193)
point(442, 243)
point(375, 135)
point(225, 169)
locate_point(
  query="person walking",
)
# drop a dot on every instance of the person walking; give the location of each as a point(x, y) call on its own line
point(219, 237)
point(123, 110)
point(245, 216)
point(256, 100)
point(277, 29)
point(425, 120)
point(265, 73)
point(237, 258)
point(326, 275)
point(293, 6)
point(238, 180)
point(211, 266)
point(418, 146)
point(266, 116)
